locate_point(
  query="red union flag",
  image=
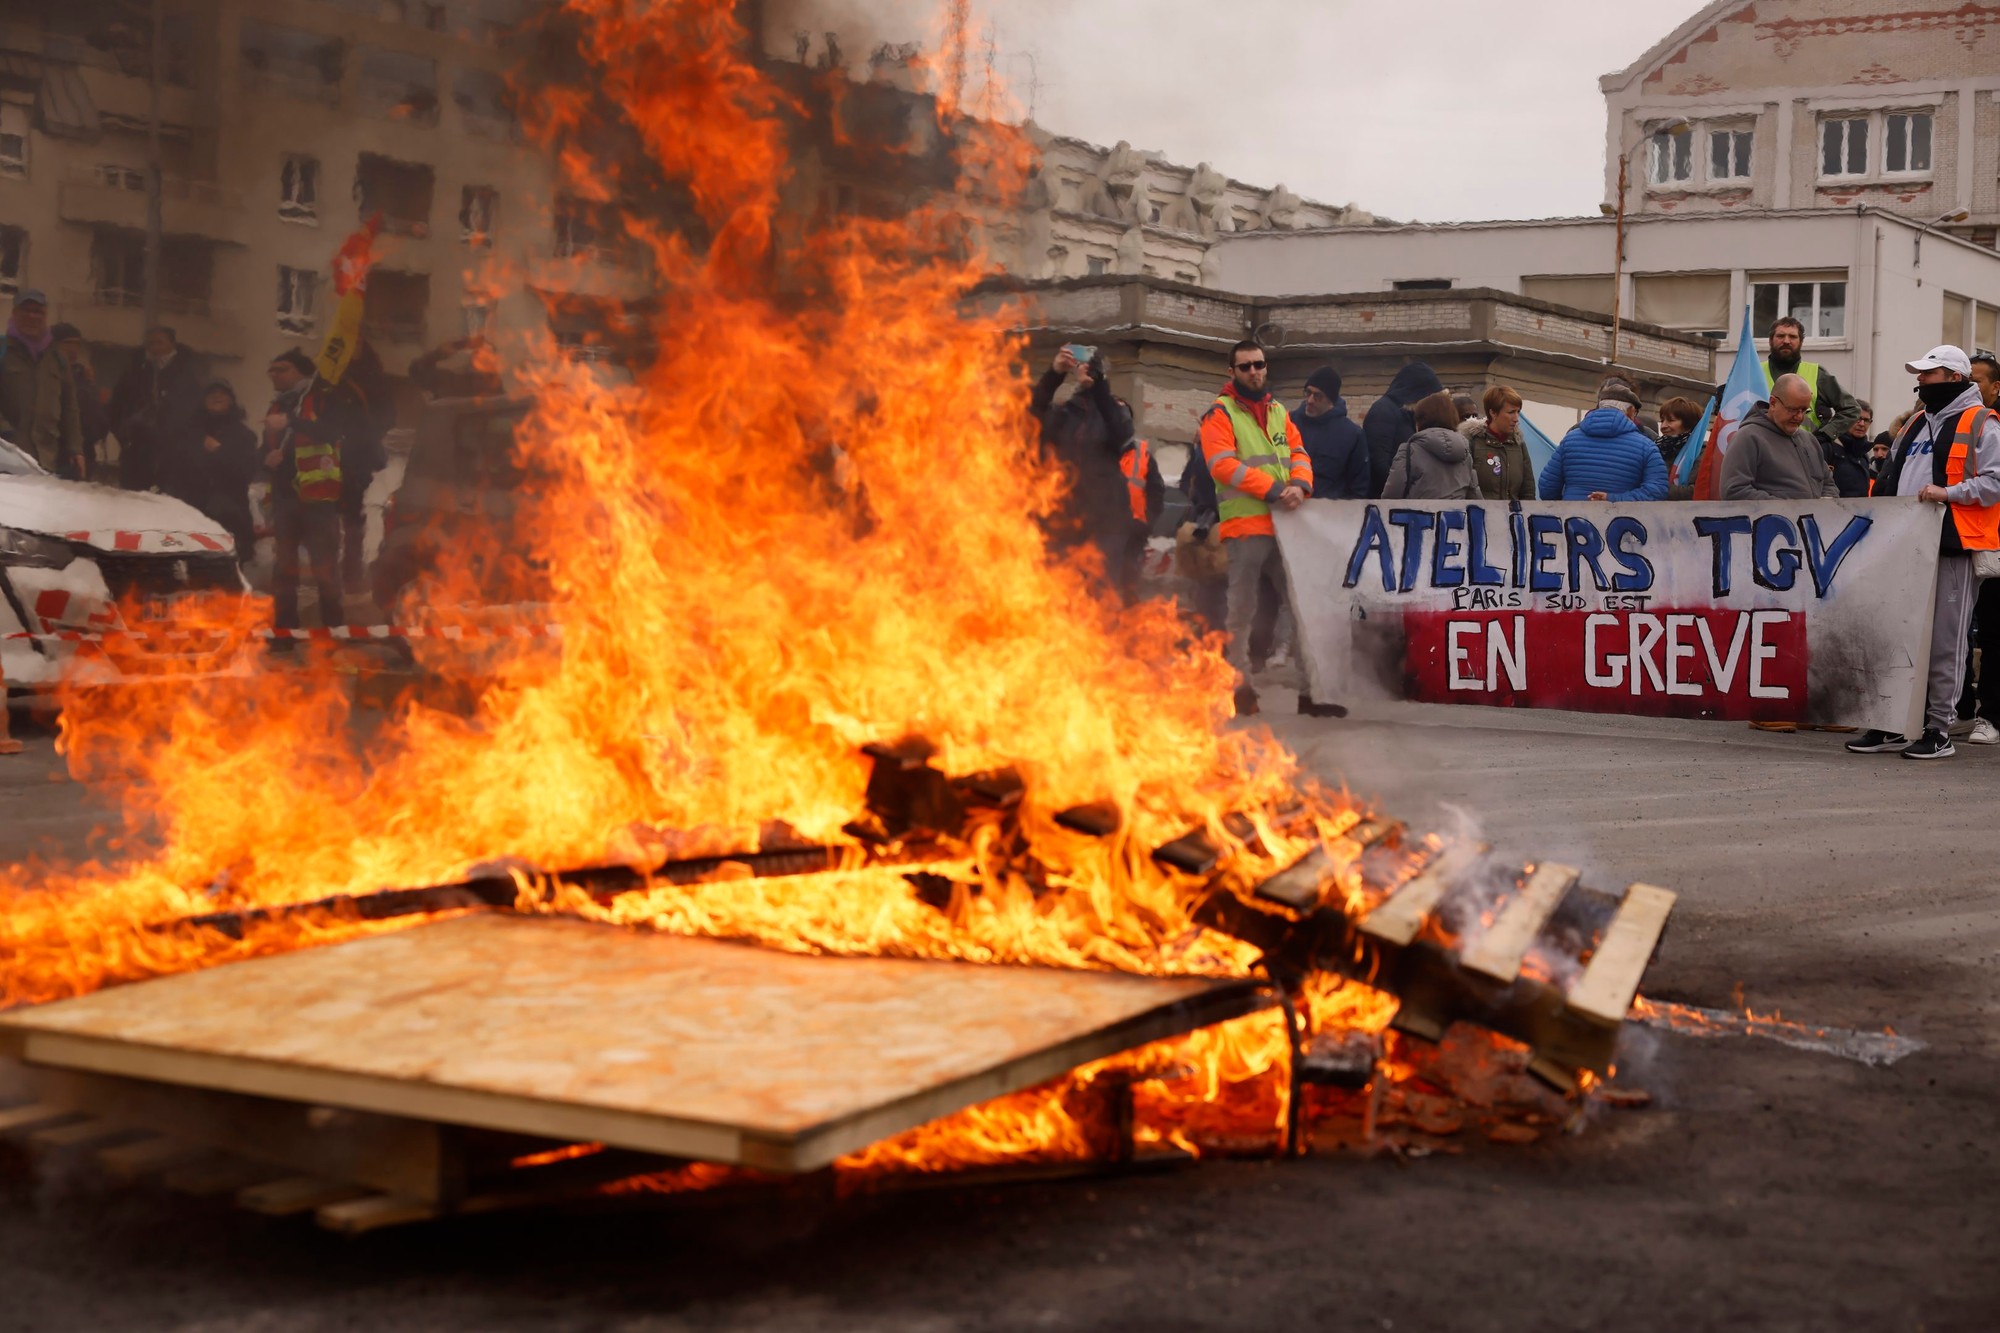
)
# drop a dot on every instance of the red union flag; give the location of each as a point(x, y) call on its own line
point(1808, 611)
point(1703, 662)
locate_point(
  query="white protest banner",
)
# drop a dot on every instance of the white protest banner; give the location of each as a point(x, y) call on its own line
point(1809, 611)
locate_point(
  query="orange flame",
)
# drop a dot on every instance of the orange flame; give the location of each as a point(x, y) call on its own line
point(736, 627)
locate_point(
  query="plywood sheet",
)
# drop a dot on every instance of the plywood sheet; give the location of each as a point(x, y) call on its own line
point(695, 1048)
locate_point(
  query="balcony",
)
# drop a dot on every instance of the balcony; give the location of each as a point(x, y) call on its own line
point(113, 315)
point(116, 197)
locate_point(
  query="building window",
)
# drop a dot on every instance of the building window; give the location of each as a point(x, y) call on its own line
point(13, 258)
point(1818, 303)
point(1906, 142)
point(120, 178)
point(1953, 328)
point(118, 267)
point(1096, 266)
point(477, 315)
point(1729, 155)
point(1672, 158)
point(475, 215)
point(397, 305)
point(298, 189)
point(1843, 147)
point(13, 140)
point(298, 293)
point(397, 85)
point(399, 191)
point(577, 232)
point(286, 60)
point(1985, 329)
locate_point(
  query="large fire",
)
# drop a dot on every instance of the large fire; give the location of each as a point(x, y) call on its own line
point(740, 616)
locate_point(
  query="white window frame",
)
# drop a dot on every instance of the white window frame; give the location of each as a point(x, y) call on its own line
point(295, 168)
point(1812, 339)
point(479, 237)
point(297, 300)
point(1909, 143)
point(14, 127)
point(1867, 123)
point(475, 316)
point(1662, 148)
point(1746, 135)
point(117, 177)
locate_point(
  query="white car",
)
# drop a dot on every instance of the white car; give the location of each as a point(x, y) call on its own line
point(72, 552)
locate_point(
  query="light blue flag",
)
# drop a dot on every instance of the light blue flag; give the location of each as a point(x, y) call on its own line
point(1540, 447)
point(1688, 460)
point(1743, 390)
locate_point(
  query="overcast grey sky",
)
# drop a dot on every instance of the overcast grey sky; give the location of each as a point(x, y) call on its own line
point(1429, 110)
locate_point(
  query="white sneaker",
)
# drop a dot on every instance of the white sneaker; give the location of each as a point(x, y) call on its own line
point(1961, 726)
point(1983, 733)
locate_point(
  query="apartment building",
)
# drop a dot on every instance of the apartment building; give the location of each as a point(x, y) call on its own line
point(1816, 104)
point(283, 124)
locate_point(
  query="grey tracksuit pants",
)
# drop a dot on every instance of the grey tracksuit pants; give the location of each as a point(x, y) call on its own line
point(1950, 619)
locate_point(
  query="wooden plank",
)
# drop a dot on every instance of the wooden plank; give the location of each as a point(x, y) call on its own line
point(134, 1160)
point(359, 1216)
point(586, 1033)
point(390, 1154)
point(19, 1119)
point(78, 1133)
point(296, 1194)
point(1605, 991)
point(1499, 951)
point(1299, 885)
point(1398, 920)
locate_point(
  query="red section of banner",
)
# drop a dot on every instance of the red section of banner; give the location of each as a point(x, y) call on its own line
point(1665, 663)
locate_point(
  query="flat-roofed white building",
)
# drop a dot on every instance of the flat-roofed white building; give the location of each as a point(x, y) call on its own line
point(1873, 288)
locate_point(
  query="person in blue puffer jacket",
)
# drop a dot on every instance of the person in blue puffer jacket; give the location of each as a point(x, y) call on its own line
point(1607, 456)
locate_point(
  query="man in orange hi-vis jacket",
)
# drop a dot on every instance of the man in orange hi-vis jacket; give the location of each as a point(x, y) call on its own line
point(1258, 460)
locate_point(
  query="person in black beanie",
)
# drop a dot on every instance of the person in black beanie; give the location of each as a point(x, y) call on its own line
point(1334, 442)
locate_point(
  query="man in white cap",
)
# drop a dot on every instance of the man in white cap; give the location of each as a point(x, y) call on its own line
point(1949, 454)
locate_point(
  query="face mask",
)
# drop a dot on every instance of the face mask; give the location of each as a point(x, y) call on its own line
point(1937, 397)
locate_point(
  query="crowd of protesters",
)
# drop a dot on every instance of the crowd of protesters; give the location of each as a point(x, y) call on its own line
point(185, 433)
point(1809, 439)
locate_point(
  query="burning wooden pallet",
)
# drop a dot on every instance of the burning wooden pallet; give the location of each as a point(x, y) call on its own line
point(494, 1059)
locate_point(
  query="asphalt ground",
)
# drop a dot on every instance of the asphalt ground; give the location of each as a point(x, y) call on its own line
point(1765, 1188)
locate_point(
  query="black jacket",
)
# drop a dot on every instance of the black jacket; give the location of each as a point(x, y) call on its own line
point(148, 409)
point(218, 482)
point(1388, 422)
point(1848, 457)
point(1087, 434)
point(1339, 454)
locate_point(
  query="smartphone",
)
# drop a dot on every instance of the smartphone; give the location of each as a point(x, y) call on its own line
point(1084, 355)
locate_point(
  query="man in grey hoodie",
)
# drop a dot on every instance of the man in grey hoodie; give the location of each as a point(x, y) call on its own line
point(1771, 456)
point(1949, 454)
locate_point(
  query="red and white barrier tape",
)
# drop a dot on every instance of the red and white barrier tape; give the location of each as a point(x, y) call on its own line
point(343, 633)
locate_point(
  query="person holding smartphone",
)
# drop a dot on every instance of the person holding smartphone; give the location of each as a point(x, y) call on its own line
point(1087, 433)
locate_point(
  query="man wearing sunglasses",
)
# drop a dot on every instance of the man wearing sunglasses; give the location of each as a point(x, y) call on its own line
point(1258, 460)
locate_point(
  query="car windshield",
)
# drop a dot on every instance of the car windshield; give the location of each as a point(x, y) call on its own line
point(15, 463)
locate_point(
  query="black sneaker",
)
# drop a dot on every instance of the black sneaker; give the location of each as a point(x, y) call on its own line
point(1877, 742)
point(1933, 744)
point(1308, 708)
point(1246, 701)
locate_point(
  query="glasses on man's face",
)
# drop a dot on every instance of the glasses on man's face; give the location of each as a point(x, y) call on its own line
point(1252, 365)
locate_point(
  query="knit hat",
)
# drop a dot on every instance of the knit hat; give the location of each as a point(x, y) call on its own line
point(219, 383)
point(296, 359)
point(1327, 380)
point(1617, 391)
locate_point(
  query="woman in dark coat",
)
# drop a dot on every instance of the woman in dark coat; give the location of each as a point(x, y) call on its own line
point(214, 461)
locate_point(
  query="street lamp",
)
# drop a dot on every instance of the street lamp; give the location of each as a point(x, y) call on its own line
point(1673, 129)
point(1917, 251)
